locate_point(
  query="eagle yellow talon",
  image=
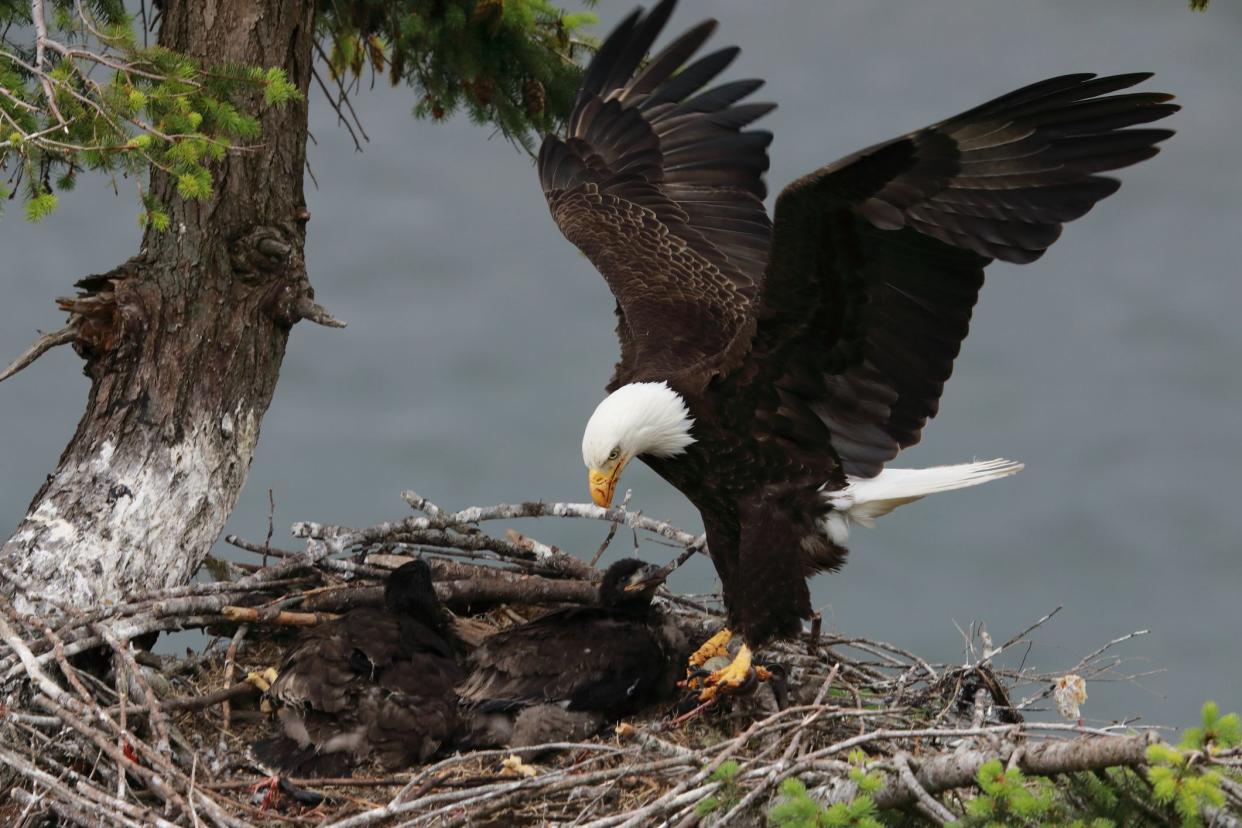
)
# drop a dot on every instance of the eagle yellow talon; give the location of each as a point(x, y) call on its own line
point(715, 646)
point(731, 678)
point(262, 679)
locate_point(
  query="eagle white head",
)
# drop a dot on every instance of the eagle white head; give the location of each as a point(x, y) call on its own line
point(639, 418)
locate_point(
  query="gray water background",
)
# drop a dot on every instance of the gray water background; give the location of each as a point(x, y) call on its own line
point(479, 341)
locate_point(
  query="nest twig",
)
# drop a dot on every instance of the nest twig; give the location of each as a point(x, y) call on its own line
point(160, 741)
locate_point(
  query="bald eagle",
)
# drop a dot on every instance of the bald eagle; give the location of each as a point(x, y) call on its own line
point(771, 367)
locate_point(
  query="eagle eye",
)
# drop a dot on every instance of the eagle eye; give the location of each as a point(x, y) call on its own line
point(614, 454)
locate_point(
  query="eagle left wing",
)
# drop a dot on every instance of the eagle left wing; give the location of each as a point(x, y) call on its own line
point(877, 260)
point(658, 183)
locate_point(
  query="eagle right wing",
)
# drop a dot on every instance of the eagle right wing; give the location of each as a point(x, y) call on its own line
point(658, 183)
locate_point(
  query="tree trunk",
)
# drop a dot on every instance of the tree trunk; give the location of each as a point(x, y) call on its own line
point(183, 345)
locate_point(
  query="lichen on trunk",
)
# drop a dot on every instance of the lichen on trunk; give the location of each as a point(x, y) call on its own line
point(183, 344)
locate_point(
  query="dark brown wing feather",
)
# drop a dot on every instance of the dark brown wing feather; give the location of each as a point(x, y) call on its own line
point(323, 669)
point(370, 684)
point(583, 658)
point(660, 185)
point(877, 259)
point(412, 711)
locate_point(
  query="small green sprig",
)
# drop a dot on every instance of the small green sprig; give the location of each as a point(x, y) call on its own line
point(796, 809)
point(1178, 776)
point(727, 795)
point(151, 108)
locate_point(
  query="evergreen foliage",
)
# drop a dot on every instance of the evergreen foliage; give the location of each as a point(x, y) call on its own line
point(509, 63)
point(96, 99)
point(797, 809)
point(1007, 797)
point(1178, 775)
point(728, 793)
point(1180, 786)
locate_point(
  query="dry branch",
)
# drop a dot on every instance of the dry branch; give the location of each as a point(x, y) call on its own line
point(310, 310)
point(929, 806)
point(282, 618)
point(41, 346)
point(343, 536)
point(468, 593)
point(239, 690)
point(943, 773)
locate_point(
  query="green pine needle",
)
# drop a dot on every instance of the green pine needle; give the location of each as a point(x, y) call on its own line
point(194, 183)
point(40, 206)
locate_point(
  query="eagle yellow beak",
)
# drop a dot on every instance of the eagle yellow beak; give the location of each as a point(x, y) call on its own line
point(603, 482)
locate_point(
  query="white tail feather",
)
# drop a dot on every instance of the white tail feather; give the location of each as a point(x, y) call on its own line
point(865, 499)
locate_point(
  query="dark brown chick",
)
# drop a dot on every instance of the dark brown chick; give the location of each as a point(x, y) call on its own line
point(566, 674)
point(375, 683)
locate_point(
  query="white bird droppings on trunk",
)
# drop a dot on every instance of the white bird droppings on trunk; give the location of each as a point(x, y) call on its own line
point(114, 524)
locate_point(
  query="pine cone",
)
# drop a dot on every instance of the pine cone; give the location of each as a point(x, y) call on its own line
point(489, 13)
point(482, 89)
point(534, 97)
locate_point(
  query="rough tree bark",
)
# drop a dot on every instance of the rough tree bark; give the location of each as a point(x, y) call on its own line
point(183, 344)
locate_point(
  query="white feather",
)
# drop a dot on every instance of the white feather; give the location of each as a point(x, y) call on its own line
point(865, 499)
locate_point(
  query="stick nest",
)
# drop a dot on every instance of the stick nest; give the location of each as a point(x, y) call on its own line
point(95, 730)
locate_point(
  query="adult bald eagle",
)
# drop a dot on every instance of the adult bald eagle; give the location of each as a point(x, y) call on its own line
point(770, 368)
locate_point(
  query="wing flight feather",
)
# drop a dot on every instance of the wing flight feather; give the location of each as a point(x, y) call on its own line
point(877, 260)
point(658, 181)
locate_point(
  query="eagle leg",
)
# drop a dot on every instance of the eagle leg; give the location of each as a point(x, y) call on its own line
point(263, 679)
point(738, 677)
point(712, 648)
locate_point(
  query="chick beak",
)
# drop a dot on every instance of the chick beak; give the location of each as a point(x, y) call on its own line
point(649, 577)
point(603, 483)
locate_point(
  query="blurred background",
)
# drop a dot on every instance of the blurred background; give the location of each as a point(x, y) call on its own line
point(479, 342)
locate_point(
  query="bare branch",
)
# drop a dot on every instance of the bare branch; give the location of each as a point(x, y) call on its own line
point(280, 618)
point(44, 344)
point(41, 43)
point(1049, 758)
point(241, 689)
point(310, 310)
point(991, 653)
point(933, 809)
point(475, 591)
point(341, 103)
point(345, 536)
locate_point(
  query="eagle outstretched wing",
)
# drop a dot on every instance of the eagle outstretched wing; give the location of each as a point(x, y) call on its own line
point(877, 260)
point(659, 183)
